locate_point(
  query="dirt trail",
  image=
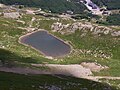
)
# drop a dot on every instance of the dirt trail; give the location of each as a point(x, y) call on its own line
point(72, 70)
point(69, 70)
point(96, 78)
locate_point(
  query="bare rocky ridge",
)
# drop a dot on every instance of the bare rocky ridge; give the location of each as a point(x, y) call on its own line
point(85, 27)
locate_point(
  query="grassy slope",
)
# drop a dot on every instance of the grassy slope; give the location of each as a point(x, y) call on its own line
point(110, 4)
point(107, 44)
point(56, 6)
point(9, 81)
point(9, 38)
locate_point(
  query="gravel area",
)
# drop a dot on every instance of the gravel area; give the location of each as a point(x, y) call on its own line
point(69, 70)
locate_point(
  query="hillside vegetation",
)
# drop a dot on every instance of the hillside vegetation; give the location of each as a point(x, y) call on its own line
point(111, 4)
point(10, 81)
point(90, 43)
point(56, 6)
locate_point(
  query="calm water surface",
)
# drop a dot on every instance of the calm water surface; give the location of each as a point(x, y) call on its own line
point(47, 44)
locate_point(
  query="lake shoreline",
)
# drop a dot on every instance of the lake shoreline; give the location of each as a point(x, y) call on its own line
point(43, 54)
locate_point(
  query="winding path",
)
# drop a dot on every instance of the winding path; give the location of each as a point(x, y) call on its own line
point(69, 70)
point(96, 78)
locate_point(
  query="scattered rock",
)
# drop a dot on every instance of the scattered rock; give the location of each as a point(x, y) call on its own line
point(86, 26)
point(116, 33)
point(54, 88)
point(13, 15)
point(94, 66)
point(30, 12)
point(2, 5)
point(20, 21)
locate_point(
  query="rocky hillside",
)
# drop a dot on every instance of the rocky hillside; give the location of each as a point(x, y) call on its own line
point(85, 28)
point(63, 6)
point(59, 6)
point(111, 4)
point(56, 6)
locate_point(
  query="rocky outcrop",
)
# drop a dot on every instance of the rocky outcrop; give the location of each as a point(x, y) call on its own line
point(13, 15)
point(2, 5)
point(95, 67)
point(116, 33)
point(85, 27)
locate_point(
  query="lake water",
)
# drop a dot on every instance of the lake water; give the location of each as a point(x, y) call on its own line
point(46, 43)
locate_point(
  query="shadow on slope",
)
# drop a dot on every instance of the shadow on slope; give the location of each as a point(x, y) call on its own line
point(48, 82)
point(7, 58)
point(10, 81)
